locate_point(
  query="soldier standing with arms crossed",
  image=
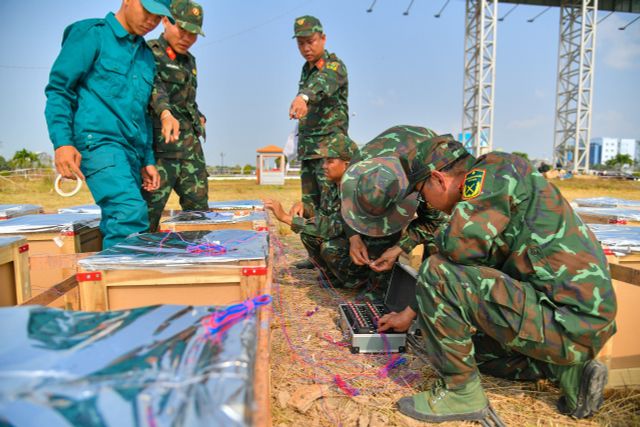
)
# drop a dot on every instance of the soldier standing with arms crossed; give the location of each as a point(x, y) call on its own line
point(96, 111)
point(178, 124)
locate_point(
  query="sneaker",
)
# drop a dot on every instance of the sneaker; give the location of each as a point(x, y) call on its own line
point(582, 386)
point(304, 265)
point(440, 404)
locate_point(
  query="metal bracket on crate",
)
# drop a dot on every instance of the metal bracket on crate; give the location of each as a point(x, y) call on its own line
point(254, 271)
point(92, 276)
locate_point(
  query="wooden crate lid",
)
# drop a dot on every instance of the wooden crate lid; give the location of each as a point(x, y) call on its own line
point(8, 241)
point(145, 350)
point(627, 214)
point(180, 250)
point(191, 217)
point(49, 223)
point(607, 202)
point(236, 205)
point(12, 211)
point(620, 239)
point(81, 209)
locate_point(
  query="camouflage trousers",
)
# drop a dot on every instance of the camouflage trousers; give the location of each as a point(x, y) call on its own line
point(332, 257)
point(315, 185)
point(517, 335)
point(189, 180)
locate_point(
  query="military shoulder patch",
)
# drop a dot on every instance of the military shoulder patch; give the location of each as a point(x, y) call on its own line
point(473, 183)
point(333, 66)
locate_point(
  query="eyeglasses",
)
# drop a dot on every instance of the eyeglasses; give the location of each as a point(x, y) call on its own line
point(420, 197)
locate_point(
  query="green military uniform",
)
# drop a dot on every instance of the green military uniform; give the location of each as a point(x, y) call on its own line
point(323, 235)
point(326, 86)
point(371, 208)
point(97, 99)
point(181, 163)
point(516, 263)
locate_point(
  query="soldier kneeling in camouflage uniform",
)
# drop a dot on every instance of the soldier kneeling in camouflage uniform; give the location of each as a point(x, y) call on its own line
point(519, 288)
point(323, 235)
point(177, 122)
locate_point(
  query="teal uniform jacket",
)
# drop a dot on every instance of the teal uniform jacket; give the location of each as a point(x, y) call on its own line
point(97, 101)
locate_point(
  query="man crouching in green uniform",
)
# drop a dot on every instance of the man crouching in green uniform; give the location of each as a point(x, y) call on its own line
point(517, 265)
point(177, 122)
point(323, 235)
point(97, 115)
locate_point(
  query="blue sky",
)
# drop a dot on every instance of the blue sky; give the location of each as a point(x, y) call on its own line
point(402, 70)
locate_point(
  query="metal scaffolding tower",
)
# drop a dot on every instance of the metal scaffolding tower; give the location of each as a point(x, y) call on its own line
point(576, 56)
point(480, 36)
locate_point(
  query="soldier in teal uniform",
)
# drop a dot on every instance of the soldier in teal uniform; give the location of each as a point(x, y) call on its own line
point(518, 287)
point(178, 123)
point(97, 112)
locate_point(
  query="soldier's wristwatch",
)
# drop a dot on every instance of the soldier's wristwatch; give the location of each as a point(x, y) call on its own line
point(304, 97)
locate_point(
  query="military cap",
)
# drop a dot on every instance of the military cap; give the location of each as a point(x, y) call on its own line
point(158, 7)
point(435, 154)
point(340, 146)
point(188, 15)
point(374, 197)
point(414, 166)
point(305, 26)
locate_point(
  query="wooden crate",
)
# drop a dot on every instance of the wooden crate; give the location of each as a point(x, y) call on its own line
point(215, 285)
point(260, 283)
point(257, 221)
point(15, 286)
point(158, 268)
point(622, 351)
point(52, 253)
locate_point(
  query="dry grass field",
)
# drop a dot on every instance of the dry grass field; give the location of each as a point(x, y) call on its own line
point(309, 357)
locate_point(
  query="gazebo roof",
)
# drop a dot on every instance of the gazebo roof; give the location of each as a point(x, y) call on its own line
point(270, 149)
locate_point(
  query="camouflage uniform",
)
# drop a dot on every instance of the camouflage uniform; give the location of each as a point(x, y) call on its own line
point(323, 235)
point(401, 151)
point(517, 264)
point(326, 86)
point(181, 163)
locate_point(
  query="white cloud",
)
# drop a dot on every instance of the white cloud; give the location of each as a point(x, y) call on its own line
point(618, 49)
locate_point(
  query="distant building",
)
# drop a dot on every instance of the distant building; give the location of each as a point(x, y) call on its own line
point(595, 153)
point(603, 149)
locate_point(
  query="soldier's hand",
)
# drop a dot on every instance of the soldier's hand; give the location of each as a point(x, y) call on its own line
point(386, 260)
point(358, 251)
point(277, 209)
point(170, 126)
point(150, 178)
point(297, 209)
point(298, 108)
point(68, 162)
point(399, 322)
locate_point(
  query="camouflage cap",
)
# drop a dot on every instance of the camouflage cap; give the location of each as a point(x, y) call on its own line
point(373, 197)
point(158, 7)
point(340, 146)
point(435, 154)
point(188, 15)
point(305, 26)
